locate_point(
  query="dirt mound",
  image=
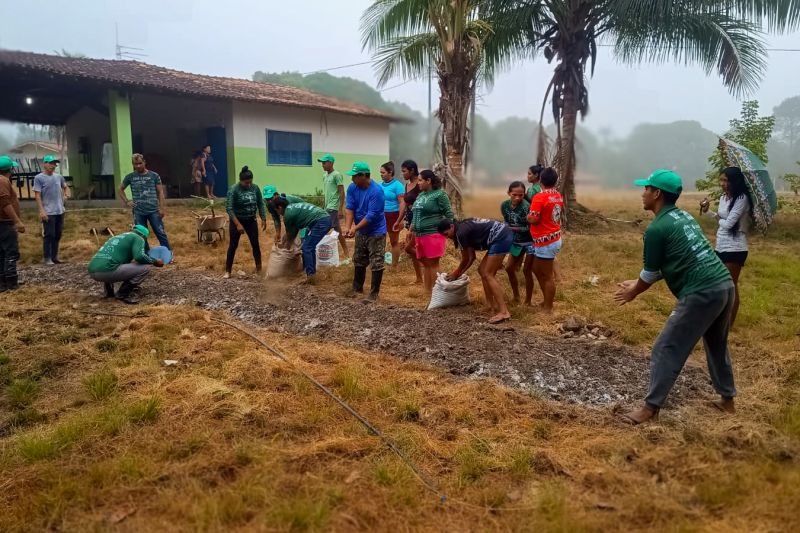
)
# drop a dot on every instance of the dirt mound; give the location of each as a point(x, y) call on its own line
point(577, 370)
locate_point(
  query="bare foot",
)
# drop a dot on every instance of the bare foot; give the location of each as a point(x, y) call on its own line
point(499, 318)
point(546, 309)
point(639, 416)
point(725, 405)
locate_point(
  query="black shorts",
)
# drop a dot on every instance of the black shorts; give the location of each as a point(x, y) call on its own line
point(736, 258)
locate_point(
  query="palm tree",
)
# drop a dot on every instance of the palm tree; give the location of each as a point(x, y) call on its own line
point(457, 39)
point(719, 35)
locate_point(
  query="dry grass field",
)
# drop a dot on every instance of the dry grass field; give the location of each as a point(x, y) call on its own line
point(97, 434)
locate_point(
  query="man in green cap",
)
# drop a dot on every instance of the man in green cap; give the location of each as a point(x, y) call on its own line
point(50, 189)
point(123, 259)
point(677, 251)
point(270, 193)
point(333, 189)
point(365, 220)
point(298, 216)
point(10, 225)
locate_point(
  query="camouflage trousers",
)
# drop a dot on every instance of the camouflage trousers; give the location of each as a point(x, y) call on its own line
point(369, 251)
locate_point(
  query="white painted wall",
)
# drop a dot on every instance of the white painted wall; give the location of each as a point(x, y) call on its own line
point(330, 132)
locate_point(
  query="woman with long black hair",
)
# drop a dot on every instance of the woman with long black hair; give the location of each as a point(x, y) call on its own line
point(410, 171)
point(244, 202)
point(734, 215)
point(432, 205)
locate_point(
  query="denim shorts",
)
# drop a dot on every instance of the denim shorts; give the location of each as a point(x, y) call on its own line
point(503, 244)
point(548, 251)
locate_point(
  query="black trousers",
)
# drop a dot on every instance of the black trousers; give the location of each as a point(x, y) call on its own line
point(250, 226)
point(9, 250)
point(52, 235)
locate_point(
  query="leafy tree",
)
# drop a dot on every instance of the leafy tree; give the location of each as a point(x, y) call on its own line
point(721, 36)
point(751, 131)
point(787, 122)
point(793, 181)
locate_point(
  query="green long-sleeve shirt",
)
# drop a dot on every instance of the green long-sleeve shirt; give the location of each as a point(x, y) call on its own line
point(301, 215)
point(120, 250)
point(429, 209)
point(245, 202)
point(276, 218)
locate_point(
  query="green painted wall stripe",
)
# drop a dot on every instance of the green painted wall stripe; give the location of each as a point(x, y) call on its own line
point(119, 110)
point(291, 179)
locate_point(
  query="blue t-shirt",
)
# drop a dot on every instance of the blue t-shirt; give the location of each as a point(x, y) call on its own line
point(52, 190)
point(367, 203)
point(392, 192)
point(211, 168)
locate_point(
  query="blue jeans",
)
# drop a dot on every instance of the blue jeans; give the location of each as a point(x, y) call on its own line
point(316, 232)
point(155, 223)
point(548, 251)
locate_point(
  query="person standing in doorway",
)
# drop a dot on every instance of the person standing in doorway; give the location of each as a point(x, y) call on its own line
point(50, 189)
point(209, 170)
point(197, 173)
point(244, 202)
point(365, 220)
point(393, 193)
point(147, 198)
point(430, 208)
point(677, 251)
point(333, 189)
point(10, 225)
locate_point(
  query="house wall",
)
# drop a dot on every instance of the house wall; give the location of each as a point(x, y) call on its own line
point(348, 138)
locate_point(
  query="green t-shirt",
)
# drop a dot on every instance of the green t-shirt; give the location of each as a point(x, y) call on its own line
point(675, 246)
point(330, 188)
point(533, 190)
point(143, 191)
point(276, 218)
point(429, 209)
point(517, 220)
point(301, 215)
point(120, 250)
point(245, 203)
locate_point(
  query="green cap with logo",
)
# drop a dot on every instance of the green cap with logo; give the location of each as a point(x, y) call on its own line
point(7, 163)
point(663, 179)
point(326, 157)
point(50, 159)
point(269, 191)
point(138, 228)
point(359, 167)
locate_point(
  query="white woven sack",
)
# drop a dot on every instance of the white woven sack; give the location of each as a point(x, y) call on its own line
point(449, 293)
point(328, 250)
point(284, 262)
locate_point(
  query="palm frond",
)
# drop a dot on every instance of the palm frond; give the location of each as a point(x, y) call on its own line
point(779, 15)
point(662, 30)
point(411, 57)
point(386, 20)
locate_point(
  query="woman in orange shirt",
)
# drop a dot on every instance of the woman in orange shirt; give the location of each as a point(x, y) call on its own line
point(545, 219)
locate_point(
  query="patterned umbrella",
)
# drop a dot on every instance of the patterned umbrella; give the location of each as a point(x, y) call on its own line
point(758, 181)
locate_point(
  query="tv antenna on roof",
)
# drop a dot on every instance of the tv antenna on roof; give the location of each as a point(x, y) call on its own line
point(126, 52)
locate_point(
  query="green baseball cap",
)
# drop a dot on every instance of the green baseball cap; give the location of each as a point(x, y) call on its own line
point(359, 167)
point(138, 228)
point(326, 157)
point(50, 159)
point(6, 163)
point(269, 191)
point(666, 180)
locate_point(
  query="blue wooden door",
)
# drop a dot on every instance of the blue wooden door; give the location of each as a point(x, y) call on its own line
point(219, 149)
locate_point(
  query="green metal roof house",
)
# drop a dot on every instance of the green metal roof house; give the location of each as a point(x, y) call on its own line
point(113, 108)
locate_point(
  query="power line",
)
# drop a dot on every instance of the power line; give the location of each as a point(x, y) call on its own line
point(336, 68)
point(395, 86)
point(766, 49)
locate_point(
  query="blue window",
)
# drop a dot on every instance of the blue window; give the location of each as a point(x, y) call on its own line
point(288, 148)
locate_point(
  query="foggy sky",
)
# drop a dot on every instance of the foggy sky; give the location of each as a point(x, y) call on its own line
point(237, 37)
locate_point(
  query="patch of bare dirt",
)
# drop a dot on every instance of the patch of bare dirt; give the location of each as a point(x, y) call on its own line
point(586, 371)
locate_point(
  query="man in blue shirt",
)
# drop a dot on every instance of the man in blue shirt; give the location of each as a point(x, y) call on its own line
point(50, 189)
point(365, 220)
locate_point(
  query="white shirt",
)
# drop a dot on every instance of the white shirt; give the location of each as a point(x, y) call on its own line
point(728, 241)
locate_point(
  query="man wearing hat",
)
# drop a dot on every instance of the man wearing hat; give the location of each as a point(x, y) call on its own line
point(270, 193)
point(123, 259)
point(677, 251)
point(366, 221)
point(50, 189)
point(10, 225)
point(333, 189)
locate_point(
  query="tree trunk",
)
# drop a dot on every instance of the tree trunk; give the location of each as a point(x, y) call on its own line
point(455, 181)
point(566, 148)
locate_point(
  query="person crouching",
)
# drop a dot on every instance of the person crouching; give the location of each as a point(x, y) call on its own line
point(123, 259)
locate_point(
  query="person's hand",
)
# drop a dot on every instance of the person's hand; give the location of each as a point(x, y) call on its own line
point(20, 227)
point(43, 216)
point(397, 226)
point(240, 229)
point(626, 292)
point(704, 205)
point(159, 263)
point(452, 275)
point(162, 213)
point(350, 233)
